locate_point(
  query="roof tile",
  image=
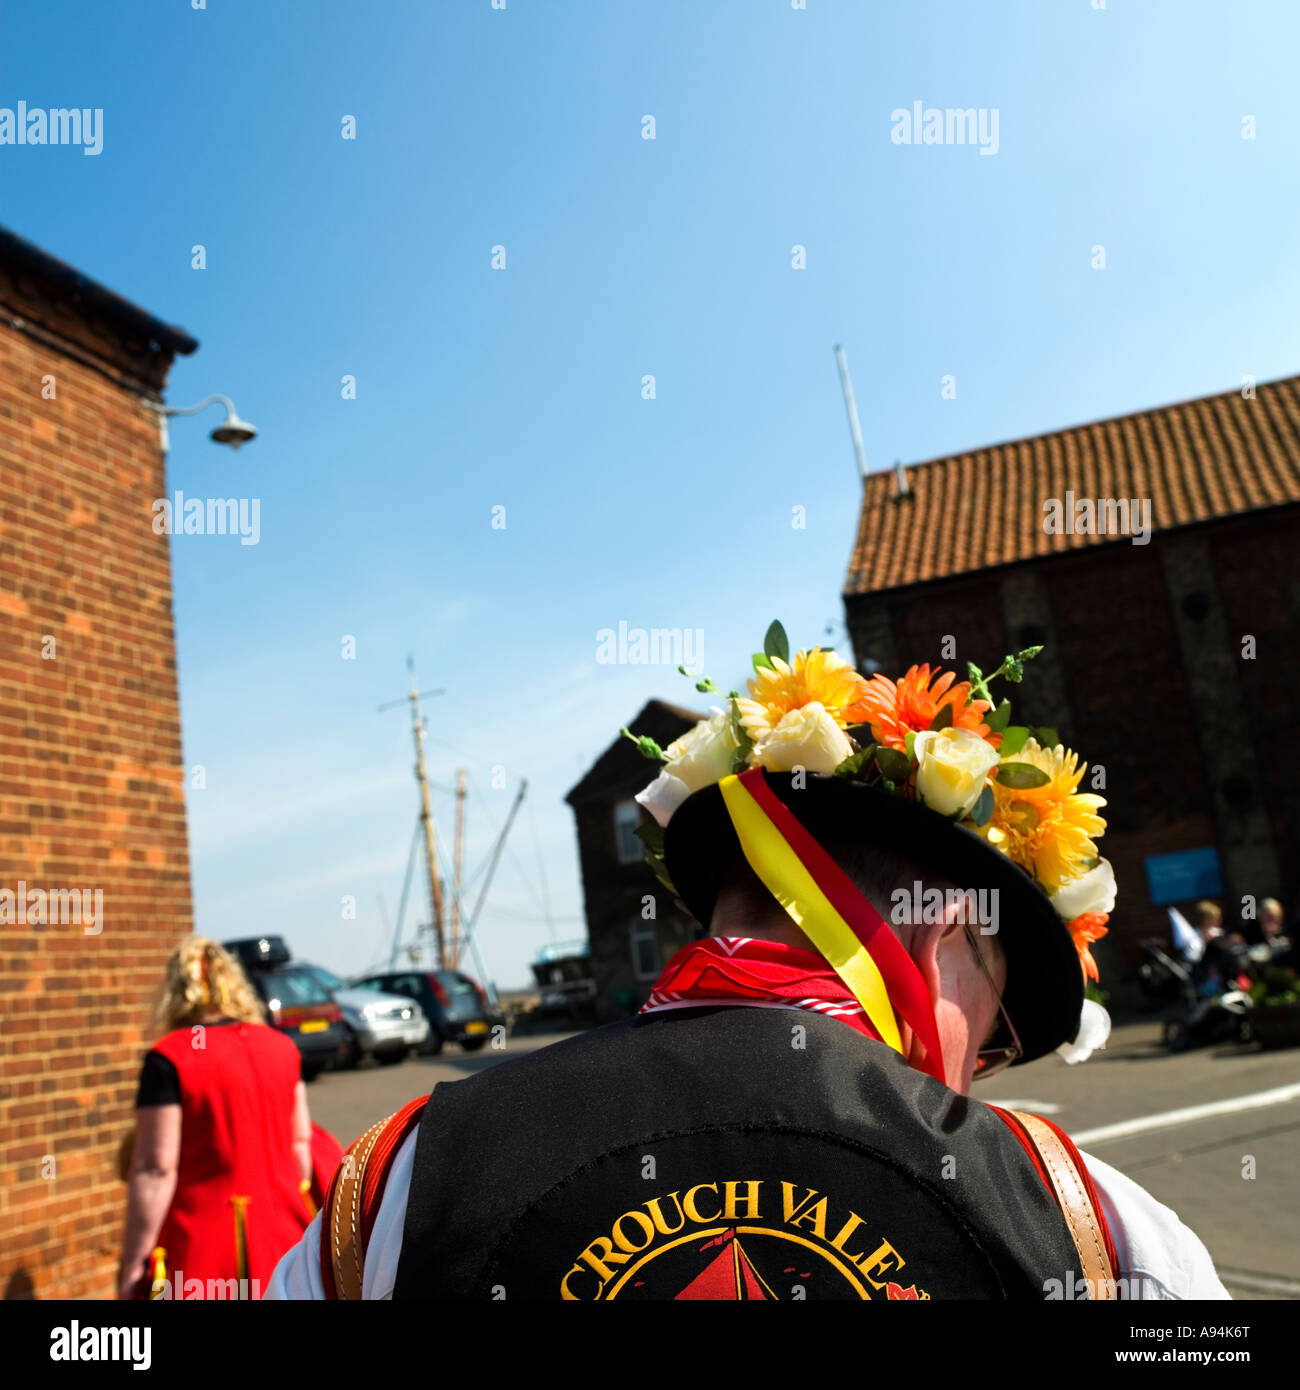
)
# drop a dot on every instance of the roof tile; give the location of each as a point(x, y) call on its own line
point(1214, 457)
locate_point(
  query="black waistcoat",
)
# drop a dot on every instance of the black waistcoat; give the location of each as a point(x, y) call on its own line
point(722, 1153)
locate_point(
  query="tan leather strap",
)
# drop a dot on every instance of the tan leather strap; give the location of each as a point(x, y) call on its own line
point(1085, 1230)
point(343, 1215)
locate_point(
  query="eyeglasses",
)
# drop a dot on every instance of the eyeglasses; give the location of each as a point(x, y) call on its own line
point(997, 1056)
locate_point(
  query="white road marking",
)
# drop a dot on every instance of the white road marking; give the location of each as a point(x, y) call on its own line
point(1260, 1283)
point(1279, 1095)
point(1034, 1107)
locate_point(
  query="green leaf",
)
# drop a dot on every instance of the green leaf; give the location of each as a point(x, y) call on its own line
point(776, 643)
point(651, 835)
point(740, 758)
point(1021, 776)
point(647, 747)
point(1013, 740)
point(974, 671)
point(1028, 654)
point(856, 763)
point(895, 766)
point(909, 744)
point(761, 661)
point(1047, 738)
point(983, 808)
point(943, 717)
point(999, 718)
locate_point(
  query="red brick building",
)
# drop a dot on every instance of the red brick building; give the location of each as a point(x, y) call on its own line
point(1149, 668)
point(92, 810)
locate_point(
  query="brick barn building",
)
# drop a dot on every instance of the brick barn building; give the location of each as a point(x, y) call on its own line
point(1150, 669)
point(92, 805)
point(628, 950)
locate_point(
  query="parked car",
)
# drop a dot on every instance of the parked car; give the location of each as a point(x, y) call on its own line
point(383, 1026)
point(456, 1006)
point(295, 1001)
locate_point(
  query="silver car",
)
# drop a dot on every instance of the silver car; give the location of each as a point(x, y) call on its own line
point(383, 1026)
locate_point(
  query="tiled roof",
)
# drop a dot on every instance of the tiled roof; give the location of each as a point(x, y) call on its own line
point(1213, 457)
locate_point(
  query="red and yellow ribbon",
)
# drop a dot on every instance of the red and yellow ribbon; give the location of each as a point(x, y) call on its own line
point(822, 900)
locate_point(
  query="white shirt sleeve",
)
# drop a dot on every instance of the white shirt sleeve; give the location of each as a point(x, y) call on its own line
point(1159, 1258)
point(297, 1276)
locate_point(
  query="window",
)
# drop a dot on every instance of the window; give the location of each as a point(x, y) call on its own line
point(627, 816)
point(645, 950)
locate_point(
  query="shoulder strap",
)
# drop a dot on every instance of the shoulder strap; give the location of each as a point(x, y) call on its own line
point(354, 1197)
point(1059, 1164)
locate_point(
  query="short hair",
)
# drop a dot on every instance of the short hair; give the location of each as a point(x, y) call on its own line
point(1271, 905)
point(1206, 908)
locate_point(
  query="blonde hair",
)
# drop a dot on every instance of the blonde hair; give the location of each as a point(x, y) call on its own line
point(1209, 910)
point(203, 977)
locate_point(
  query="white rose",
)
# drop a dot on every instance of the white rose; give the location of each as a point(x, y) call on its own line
point(663, 796)
point(701, 757)
point(1094, 1030)
point(952, 766)
point(1090, 892)
point(808, 738)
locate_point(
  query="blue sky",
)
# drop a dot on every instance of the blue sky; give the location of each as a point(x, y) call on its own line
point(522, 387)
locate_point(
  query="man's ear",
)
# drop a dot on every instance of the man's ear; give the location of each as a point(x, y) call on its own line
point(926, 940)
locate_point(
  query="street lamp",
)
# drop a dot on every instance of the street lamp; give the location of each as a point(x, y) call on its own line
point(232, 430)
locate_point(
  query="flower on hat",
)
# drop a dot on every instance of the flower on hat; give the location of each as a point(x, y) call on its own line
point(1047, 828)
point(809, 737)
point(813, 677)
point(1085, 930)
point(896, 708)
point(933, 738)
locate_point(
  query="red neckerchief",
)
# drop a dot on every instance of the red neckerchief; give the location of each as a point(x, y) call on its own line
point(743, 970)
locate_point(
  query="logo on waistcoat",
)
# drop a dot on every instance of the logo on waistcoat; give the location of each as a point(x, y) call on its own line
point(740, 1240)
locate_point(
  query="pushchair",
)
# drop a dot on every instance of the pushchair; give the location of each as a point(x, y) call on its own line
point(1196, 1021)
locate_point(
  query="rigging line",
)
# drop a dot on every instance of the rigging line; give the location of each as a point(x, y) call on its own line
point(495, 827)
point(541, 869)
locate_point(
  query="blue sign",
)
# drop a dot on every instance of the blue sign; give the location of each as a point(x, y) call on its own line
point(1189, 873)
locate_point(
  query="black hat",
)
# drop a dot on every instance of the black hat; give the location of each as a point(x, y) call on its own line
point(1044, 989)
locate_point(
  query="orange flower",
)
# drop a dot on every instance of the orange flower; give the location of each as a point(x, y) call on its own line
point(1085, 930)
point(910, 705)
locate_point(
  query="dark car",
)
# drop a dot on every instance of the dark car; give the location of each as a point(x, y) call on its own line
point(456, 1007)
point(296, 1003)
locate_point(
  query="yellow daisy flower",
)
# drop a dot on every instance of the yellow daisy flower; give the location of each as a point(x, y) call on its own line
point(813, 676)
point(1047, 830)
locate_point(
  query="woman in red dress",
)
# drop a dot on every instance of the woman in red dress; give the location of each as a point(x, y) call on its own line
point(223, 1139)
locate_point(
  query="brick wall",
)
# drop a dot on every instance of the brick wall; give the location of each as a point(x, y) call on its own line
point(91, 787)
